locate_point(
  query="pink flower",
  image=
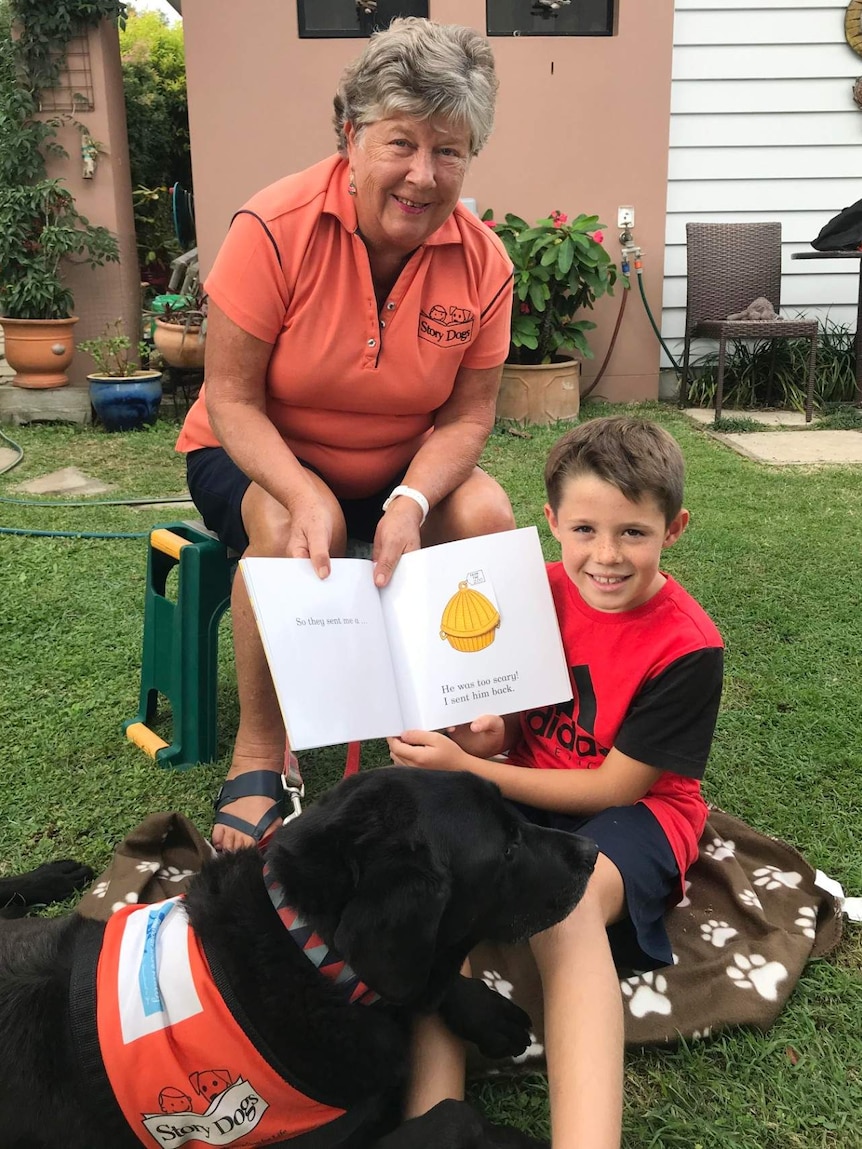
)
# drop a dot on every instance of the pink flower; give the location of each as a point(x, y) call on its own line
point(489, 222)
point(598, 236)
point(525, 309)
point(559, 218)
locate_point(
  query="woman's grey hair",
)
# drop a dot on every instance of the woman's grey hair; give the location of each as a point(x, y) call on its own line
point(421, 69)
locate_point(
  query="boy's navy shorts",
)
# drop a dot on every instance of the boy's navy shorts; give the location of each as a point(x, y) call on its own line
point(631, 837)
point(217, 486)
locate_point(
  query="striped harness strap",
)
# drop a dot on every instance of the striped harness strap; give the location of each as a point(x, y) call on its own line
point(315, 948)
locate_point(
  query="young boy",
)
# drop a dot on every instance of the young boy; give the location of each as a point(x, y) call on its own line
point(620, 764)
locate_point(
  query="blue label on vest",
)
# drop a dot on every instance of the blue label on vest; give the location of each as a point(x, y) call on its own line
point(148, 973)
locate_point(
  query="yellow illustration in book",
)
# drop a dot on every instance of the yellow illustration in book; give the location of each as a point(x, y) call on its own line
point(470, 620)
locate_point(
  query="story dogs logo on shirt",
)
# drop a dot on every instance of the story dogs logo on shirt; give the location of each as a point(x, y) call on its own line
point(452, 327)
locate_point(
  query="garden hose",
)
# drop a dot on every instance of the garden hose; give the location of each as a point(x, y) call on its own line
point(15, 447)
point(598, 376)
point(84, 503)
point(97, 502)
point(667, 350)
point(20, 531)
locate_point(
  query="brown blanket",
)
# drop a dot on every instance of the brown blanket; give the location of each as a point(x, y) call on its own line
point(751, 919)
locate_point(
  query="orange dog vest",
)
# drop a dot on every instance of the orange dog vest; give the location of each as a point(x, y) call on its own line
point(182, 1070)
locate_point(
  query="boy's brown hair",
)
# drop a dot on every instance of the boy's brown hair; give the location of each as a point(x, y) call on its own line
point(634, 455)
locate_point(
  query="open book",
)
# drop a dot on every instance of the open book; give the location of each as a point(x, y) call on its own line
point(462, 629)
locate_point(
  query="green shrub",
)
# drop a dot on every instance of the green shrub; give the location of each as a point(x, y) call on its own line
point(747, 368)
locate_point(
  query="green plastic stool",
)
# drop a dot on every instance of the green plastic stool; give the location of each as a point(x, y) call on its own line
point(180, 647)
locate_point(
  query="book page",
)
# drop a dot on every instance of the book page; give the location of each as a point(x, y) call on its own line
point(472, 630)
point(326, 646)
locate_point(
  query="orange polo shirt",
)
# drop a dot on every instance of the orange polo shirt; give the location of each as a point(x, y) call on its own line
point(353, 389)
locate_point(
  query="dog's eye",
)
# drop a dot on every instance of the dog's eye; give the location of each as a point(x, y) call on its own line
point(509, 852)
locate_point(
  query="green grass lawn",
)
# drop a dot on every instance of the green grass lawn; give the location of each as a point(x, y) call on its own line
point(773, 554)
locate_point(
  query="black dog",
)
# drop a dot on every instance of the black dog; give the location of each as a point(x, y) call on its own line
point(397, 872)
point(50, 882)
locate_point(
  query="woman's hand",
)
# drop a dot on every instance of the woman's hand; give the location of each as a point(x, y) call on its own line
point(484, 737)
point(396, 534)
point(426, 749)
point(311, 529)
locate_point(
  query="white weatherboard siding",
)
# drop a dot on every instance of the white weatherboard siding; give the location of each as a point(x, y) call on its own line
point(763, 127)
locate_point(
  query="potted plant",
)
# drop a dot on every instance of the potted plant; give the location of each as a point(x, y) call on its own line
point(124, 395)
point(179, 329)
point(39, 228)
point(561, 267)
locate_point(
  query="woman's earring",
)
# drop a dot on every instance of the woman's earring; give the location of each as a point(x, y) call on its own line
point(351, 187)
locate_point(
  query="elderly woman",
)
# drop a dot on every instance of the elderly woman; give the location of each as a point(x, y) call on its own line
point(358, 321)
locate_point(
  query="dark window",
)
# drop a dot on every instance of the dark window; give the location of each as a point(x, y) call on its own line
point(347, 18)
point(530, 18)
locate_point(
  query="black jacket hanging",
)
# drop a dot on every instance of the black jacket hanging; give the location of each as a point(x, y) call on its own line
point(843, 232)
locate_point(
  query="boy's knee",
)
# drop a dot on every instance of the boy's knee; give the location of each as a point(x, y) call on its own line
point(603, 902)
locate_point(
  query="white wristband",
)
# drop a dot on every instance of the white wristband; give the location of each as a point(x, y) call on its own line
point(413, 494)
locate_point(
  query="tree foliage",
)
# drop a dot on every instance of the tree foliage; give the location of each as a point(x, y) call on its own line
point(154, 78)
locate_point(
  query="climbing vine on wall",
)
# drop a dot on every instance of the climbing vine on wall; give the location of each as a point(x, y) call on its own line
point(46, 27)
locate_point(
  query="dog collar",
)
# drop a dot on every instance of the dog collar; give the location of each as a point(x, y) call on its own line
point(315, 948)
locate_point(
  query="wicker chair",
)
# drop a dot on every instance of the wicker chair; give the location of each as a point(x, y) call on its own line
point(730, 265)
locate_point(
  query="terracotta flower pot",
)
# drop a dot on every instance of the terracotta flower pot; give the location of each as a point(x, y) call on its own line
point(40, 350)
point(540, 393)
point(178, 345)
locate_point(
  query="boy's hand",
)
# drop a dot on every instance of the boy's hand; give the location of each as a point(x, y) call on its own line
point(426, 749)
point(484, 737)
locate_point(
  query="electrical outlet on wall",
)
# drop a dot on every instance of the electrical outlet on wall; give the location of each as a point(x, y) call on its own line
point(625, 216)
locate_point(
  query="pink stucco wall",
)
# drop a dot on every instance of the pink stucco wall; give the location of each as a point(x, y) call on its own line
point(582, 125)
point(113, 291)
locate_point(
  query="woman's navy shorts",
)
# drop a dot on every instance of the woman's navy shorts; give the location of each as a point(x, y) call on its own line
point(636, 844)
point(217, 486)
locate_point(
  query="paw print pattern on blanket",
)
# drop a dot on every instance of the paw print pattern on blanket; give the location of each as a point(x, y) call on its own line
point(807, 921)
point(147, 867)
point(755, 972)
point(493, 979)
point(129, 900)
point(749, 898)
point(646, 993)
point(173, 874)
point(720, 849)
point(100, 889)
point(771, 878)
point(717, 933)
point(534, 1049)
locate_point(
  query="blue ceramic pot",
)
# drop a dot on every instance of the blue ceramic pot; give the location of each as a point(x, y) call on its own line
point(126, 404)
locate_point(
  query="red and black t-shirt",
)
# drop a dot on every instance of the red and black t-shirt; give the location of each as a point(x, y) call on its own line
point(647, 681)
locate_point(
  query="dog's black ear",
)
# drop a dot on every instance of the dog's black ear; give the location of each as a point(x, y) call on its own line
point(388, 930)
